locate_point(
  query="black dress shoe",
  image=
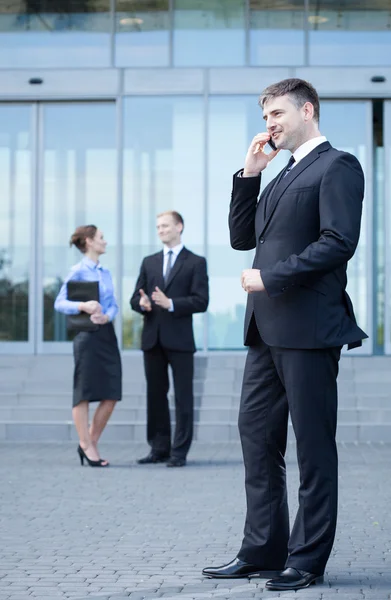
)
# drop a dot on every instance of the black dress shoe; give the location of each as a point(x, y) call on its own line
point(175, 461)
point(237, 568)
point(293, 579)
point(153, 458)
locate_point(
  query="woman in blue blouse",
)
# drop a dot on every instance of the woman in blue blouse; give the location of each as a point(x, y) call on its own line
point(97, 375)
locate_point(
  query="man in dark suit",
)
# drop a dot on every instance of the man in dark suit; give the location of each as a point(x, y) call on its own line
point(172, 286)
point(305, 228)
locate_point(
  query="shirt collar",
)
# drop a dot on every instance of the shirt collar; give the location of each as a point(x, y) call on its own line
point(90, 263)
point(307, 147)
point(175, 249)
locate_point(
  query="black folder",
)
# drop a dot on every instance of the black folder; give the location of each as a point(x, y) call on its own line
point(82, 291)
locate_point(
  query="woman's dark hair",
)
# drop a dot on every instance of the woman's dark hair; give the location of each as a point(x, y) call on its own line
point(79, 237)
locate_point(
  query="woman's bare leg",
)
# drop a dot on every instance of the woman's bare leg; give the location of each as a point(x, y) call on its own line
point(100, 420)
point(80, 418)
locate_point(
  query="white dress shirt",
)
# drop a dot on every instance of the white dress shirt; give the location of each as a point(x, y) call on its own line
point(306, 148)
point(175, 252)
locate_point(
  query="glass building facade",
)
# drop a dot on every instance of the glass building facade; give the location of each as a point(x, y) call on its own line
point(112, 111)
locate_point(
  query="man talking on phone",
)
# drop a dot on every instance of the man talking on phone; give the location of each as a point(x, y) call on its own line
point(305, 229)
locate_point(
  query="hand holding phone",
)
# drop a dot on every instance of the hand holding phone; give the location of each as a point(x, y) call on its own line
point(256, 159)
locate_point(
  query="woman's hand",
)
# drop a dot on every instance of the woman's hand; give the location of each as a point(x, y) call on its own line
point(91, 307)
point(99, 319)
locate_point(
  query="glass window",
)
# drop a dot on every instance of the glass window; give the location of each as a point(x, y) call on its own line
point(276, 32)
point(163, 170)
point(209, 33)
point(350, 33)
point(338, 121)
point(54, 33)
point(15, 221)
point(78, 188)
point(227, 150)
point(142, 28)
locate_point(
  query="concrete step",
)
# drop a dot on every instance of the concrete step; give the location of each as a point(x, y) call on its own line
point(202, 414)
point(54, 431)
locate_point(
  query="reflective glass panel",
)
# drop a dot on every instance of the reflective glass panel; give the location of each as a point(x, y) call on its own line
point(78, 188)
point(163, 170)
point(346, 126)
point(352, 32)
point(15, 221)
point(142, 33)
point(209, 33)
point(233, 122)
point(54, 33)
point(277, 32)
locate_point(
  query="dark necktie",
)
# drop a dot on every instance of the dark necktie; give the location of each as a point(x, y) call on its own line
point(289, 166)
point(169, 266)
point(285, 172)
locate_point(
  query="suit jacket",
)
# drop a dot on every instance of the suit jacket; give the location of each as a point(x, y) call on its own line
point(187, 286)
point(305, 228)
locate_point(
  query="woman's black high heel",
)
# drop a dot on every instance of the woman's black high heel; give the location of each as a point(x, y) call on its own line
point(92, 463)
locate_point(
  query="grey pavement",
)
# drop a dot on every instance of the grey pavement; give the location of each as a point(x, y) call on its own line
point(145, 532)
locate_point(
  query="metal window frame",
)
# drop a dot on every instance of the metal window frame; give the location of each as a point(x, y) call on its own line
point(387, 226)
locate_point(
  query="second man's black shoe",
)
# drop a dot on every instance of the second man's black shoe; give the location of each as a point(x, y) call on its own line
point(153, 458)
point(175, 461)
point(238, 568)
point(293, 579)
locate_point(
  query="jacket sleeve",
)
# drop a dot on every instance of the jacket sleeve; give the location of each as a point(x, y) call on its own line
point(340, 206)
point(243, 206)
point(141, 284)
point(198, 299)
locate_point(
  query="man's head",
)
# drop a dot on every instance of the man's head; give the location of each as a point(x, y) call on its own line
point(169, 226)
point(291, 111)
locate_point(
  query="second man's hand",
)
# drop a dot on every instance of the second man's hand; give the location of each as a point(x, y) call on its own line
point(256, 159)
point(252, 281)
point(161, 299)
point(145, 303)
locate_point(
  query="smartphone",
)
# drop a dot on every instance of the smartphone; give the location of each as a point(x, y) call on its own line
point(272, 144)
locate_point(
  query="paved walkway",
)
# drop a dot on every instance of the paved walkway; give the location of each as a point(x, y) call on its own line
point(146, 532)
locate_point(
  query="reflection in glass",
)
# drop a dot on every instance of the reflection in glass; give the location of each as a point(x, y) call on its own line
point(338, 122)
point(276, 32)
point(350, 33)
point(163, 170)
point(79, 187)
point(227, 149)
point(142, 28)
point(15, 221)
point(55, 33)
point(209, 33)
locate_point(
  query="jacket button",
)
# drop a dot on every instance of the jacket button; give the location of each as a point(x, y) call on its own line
point(261, 240)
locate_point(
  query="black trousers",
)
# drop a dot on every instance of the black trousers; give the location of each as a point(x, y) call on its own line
point(302, 382)
point(156, 363)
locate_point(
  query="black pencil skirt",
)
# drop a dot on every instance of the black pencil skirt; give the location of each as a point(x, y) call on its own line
point(98, 372)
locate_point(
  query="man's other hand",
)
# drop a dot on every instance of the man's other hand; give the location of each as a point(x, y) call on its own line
point(252, 281)
point(145, 303)
point(161, 299)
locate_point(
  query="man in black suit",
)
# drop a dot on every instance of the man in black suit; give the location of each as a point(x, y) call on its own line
point(172, 286)
point(305, 228)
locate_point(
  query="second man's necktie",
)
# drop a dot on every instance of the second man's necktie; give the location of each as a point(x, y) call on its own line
point(169, 266)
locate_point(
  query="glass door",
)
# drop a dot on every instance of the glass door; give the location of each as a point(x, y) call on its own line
point(17, 248)
point(77, 158)
point(348, 127)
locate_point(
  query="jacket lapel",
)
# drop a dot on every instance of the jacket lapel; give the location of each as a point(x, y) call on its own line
point(180, 259)
point(159, 269)
point(284, 183)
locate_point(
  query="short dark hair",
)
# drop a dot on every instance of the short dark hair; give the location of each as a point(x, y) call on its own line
point(299, 90)
point(175, 215)
point(80, 235)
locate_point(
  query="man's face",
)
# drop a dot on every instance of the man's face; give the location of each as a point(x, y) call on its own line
point(168, 230)
point(285, 122)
